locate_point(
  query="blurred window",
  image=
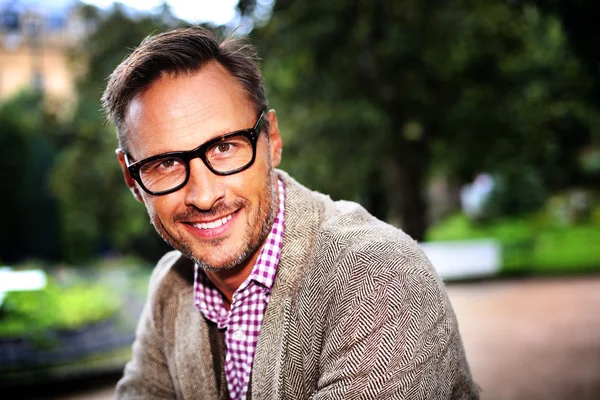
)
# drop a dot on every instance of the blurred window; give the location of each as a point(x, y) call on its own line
point(56, 22)
point(10, 20)
point(38, 81)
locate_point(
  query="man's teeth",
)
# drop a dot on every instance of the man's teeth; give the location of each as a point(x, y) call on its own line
point(214, 224)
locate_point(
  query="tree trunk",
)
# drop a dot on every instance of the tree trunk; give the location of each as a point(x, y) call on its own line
point(405, 181)
point(375, 199)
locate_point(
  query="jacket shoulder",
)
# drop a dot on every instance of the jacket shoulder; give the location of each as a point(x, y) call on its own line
point(350, 233)
point(172, 275)
point(371, 286)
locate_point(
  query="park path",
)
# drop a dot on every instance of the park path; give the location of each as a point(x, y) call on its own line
point(532, 339)
point(528, 339)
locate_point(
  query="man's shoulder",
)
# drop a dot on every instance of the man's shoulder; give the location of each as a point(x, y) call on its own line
point(344, 231)
point(349, 232)
point(356, 254)
point(172, 274)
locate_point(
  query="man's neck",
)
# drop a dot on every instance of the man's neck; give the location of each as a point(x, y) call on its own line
point(228, 281)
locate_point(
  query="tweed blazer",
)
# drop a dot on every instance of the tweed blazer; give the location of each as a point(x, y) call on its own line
point(356, 311)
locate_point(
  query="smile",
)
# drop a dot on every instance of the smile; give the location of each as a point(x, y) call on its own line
point(214, 224)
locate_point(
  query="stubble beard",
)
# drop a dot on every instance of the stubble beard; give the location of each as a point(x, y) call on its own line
point(266, 211)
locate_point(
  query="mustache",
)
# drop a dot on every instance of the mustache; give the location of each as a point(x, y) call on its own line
point(216, 210)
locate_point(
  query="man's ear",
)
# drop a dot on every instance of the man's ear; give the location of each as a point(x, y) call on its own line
point(129, 181)
point(275, 141)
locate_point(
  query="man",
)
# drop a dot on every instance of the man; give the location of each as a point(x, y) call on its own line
point(274, 291)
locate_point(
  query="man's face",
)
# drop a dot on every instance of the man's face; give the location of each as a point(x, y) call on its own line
point(219, 222)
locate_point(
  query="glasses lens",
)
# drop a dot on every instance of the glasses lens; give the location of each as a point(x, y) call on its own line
point(163, 174)
point(230, 154)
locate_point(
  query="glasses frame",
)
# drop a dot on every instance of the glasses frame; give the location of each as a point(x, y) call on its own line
point(251, 134)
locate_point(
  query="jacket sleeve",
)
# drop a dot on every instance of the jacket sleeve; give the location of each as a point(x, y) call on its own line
point(147, 375)
point(391, 333)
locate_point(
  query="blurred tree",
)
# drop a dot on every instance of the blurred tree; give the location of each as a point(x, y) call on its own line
point(27, 207)
point(580, 19)
point(378, 94)
point(98, 212)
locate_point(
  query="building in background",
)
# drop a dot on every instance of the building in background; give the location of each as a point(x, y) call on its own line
point(35, 42)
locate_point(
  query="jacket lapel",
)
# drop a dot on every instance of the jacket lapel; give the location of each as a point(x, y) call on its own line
point(303, 214)
point(193, 357)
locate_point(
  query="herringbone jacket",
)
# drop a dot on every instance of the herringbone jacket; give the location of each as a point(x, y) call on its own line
point(356, 312)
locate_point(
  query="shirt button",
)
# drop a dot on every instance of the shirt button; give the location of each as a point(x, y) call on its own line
point(239, 335)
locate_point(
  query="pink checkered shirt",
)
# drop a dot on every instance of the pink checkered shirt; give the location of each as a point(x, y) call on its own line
point(243, 320)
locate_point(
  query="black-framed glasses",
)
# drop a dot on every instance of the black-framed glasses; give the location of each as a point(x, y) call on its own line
point(225, 155)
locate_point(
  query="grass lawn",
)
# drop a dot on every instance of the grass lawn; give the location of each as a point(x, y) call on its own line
point(530, 245)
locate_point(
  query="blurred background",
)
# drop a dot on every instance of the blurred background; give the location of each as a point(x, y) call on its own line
point(472, 125)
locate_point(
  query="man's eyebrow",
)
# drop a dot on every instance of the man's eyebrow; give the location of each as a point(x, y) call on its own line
point(224, 132)
point(220, 134)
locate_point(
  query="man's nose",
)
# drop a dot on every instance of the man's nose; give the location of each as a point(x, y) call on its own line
point(204, 188)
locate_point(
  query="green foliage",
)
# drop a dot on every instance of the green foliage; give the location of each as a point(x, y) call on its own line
point(27, 208)
point(373, 98)
point(98, 212)
point(533, 244)
point(460, 227)
point(561, 249)
point(33, 314)
point(382, 93)
point(516, 192)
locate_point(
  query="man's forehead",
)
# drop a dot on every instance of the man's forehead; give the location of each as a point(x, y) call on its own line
point(202, 91)
point(133, 109)
point(209, 101)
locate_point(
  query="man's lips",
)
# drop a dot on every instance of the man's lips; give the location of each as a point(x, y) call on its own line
point(212, 224)
point(213, 227)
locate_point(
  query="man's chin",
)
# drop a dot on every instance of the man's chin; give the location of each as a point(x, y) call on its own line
point(215, 267)
point(220, 265)
point(205, 261)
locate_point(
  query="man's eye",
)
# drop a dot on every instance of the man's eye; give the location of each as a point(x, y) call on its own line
point(224, 147)
point(168, 163)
